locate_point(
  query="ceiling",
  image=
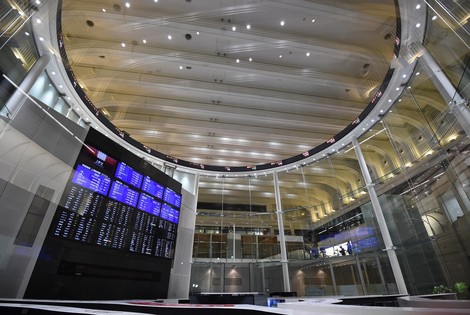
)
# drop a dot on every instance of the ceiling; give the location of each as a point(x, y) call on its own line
point(219, 92)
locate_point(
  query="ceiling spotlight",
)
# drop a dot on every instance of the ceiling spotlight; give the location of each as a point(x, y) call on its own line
point(38, 21)
point(155, 1)
point(434, 17)
point(169, 37)
point(234, 28)
point(38, 2)
point(418, 6)
point(282, 23)
point(26, 33)
point(60, 86)
point(123, 44)
point(280, 56)
point(250, 59)
point(104, 10)
point(238, 60)
point(307, 54)
point(144, 41)
point(418, 25)
point(53, 72)
point(418, 73)
point(128, 5)
point(248, 26)
point(197, 33)
point(313, 20)
point(181, 67)
point(41, 38)
point(404, 76)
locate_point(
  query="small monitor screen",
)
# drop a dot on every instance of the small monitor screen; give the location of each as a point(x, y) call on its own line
point(172, 197)
point(128, 175)
point(149, 204)
point(92, 179)
point(169, 214)
point(152, 187)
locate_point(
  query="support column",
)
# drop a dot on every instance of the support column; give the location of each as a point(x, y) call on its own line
point(282, 238)
point(456, 102)
point(392, 255)
point(361, 276)
point(15, 102)
point(333, 279)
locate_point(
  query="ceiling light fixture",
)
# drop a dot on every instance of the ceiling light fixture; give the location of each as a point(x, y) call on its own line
point(104, 10)
point(283, 23)
point(38, 21)
point(418, 25)
point(434, 17)
point(169, 37)
point(38, 2)
point(144, 41)
point(123, 44)
point(128, 5)
point(313, 20)
point(307, 54)
point(418, 6)
point(234, 28)
point(250, 59)
point(41, 38)
point(248, 26)
point(280, 56)
point(26, 33)
point(238, 60)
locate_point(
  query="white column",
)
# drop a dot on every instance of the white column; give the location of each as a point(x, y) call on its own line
point(392, 255)
point(282, 238)
point(448, 91)
point(15, 102)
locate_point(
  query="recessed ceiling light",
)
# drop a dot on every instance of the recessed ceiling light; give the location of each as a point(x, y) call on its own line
point(307, 54)
point(313, 20)
point(389, 100)
point(155, 1)
point(123, 44)
point(128, 5)
point(169, 37)
point(418, 6)
point(37, 2)
point(197, 33)
point(69, 98)
point(283, 23)
point(248, 26)
point(418, 25)
point(418, 73)
point(144, 41)
point(104, 10)
point(397, 88)
point(87, 118)
point(434, 17)
point(404, 76)
point(26, 33)
point(60, 86)
point(181, 67)
point(238, 60)
point(234, 28)
point(280, 56)
point(41, 38)
point(53, 72)
point(78, 109)
point(250, 59)
point(38, 21)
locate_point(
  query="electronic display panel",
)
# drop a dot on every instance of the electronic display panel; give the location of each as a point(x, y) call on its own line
point(128, 175)
point(118, 204)
point(172, 197)
point(169, 214)
point(152, 187)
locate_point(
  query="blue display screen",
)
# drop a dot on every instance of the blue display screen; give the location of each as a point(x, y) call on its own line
point(124, 194)
point(172, 198)
point(128, 175)
point(169, 214)
point(149, 205)
point(152, 187)
point(91, 179)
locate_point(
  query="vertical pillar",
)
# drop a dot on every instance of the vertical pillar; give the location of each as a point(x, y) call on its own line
point(15, 102)
point(361, 276)
point(382, 278)
point(456, 102)
point(392, 255)
point(333, 279)
point(282, 238)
